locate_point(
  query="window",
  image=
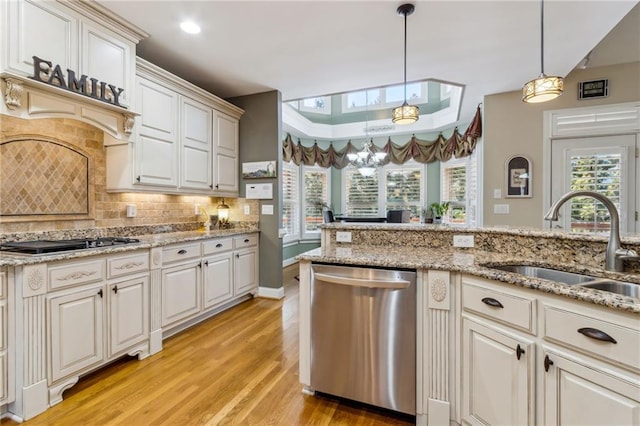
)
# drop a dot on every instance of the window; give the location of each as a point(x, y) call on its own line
point(305, 190)
point(290, 201)
point(393, 187)
point(458, 186)
point(384, 97)
point(316, 183)
point(318, 105)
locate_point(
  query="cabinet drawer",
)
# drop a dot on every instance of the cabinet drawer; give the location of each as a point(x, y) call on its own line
point(516, 311)
point(76, 273)
point(562, 327)
point(245, 241)
point(217, 246)
point(180, 252)
point(129, 264)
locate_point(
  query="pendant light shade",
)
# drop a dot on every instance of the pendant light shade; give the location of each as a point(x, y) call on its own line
point(405, 114)
point(544, 88)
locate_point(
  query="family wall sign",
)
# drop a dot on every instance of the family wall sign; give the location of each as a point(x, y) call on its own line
point(45, 72)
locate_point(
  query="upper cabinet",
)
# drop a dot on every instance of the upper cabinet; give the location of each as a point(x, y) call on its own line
point(85, 64)
point(185, 140)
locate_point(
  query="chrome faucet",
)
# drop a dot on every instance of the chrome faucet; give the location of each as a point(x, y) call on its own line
point(615, 254)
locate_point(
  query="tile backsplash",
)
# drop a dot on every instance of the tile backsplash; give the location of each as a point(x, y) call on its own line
point(106, 210)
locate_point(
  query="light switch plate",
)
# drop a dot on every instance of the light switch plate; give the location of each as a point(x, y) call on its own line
point(463, 240)
point(343, 237)
point(497, 193)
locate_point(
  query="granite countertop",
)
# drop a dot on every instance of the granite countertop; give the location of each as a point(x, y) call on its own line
point(146, 242)
point(473, 262)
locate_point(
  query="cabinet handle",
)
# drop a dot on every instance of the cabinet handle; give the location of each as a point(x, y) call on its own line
point(206, 263)
point(246, 240)
point(217, 186)
point(115, 289)
point(138, 178)
point(547, 363)
point(492, 302)
point(183, 251)
point(211, 186)
point(596, 334)
point(218, 245)
point(237, 256)
point(199, 264)
point(519, 351)
point(100, 293)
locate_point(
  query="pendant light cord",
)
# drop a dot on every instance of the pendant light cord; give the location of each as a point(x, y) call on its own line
point(541, 37)
point(405, 57)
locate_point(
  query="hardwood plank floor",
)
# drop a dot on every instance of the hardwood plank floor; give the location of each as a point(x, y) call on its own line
point(240, 367)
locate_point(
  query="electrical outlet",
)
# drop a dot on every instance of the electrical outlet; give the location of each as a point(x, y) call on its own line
point(132, 211)
point(247, 209)
point(196, 209)
point(343, 237)
point(501, 208)
point(463, 240)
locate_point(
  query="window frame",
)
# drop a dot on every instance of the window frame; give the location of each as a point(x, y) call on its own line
point(295, 236)
point(304, 234)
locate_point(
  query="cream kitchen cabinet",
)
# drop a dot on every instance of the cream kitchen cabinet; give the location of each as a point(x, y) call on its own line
point(186, 140)
point(245, 265)
point(78, 37)
point(218, 264)
point(7, 369)
point(534, 358)
point(181, 282)
point(97, 310)
point(497, 355)
point(225, 148)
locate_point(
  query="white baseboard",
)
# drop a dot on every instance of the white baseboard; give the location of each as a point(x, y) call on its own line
point(271, 293)
point(289, 262)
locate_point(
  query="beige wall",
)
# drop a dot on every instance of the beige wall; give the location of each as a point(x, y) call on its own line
point(109, 209)
point(512, 127)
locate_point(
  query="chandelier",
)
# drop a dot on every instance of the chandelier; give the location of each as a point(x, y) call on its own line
point(544, 88)
point(366, 161)
point(405, 113)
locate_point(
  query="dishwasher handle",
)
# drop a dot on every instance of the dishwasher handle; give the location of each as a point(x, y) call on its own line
point(363, 282)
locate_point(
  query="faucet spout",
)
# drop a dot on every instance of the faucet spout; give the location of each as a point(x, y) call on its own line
point(613, 261)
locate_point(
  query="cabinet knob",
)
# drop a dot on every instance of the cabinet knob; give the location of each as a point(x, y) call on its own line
point(217, 186)
point(115, 289)
point(199, 264)
point(138, 178)
point(547, 363)
point(519, 351)
point(237, 256)
point(492, 302)
point(206, 263)
point(100, 293)
point(596, 334)
point(211, 186)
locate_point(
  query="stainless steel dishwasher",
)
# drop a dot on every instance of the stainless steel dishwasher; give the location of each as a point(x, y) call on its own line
point(363, 335)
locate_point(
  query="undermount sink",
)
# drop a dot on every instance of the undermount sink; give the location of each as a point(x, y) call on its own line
point(546, 273)
point(618, 287)
point(570, 278)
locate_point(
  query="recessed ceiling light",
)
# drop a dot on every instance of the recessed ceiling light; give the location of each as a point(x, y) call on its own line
point(190, 27)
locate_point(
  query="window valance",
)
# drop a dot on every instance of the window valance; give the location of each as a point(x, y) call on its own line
point(441, 149)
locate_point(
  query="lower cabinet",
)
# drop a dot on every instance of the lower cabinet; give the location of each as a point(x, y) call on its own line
point(246, 271)
point(129, 314)
point(218, 279)
point(502, 362)
point(6, 340)
point(180, 292)
point(579, 392)
point(530, 358)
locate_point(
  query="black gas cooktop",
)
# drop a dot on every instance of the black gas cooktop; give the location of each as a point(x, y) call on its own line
point(56, 246)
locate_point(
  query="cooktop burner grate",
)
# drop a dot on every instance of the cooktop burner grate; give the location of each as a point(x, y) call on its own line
point(55, 246)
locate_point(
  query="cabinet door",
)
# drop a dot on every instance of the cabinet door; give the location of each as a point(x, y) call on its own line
point(218, 279)
point(76, 331)
point(129, 313)
point(497, 382)
point(196, 146)
point(59, 44)
point(156, 155)
point(225, 145)
point(180, 292)
point(108, 58)
point(246, 271)
point(577, 392)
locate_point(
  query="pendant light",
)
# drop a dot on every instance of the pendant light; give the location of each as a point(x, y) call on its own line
point(544, 88)
point(405, 114)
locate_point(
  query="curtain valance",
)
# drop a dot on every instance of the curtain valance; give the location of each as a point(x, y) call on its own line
point(441, 149)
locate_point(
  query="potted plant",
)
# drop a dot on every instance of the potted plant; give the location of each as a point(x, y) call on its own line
point(439, 211)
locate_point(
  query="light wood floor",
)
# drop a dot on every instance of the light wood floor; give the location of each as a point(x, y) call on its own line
point(240, 367)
